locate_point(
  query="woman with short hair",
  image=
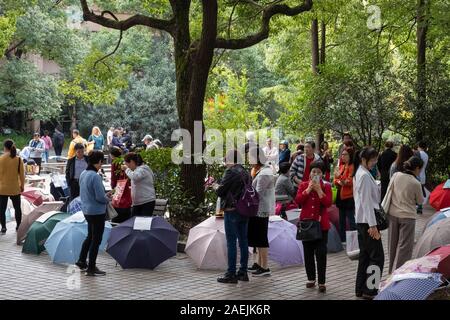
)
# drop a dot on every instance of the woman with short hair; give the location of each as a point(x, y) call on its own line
point(143, 192)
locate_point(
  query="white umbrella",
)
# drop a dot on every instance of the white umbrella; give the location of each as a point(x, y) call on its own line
point(207, 245)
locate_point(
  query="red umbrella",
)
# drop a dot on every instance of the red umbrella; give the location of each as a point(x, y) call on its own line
point(440, 197)
point(33, 196)
point(444, 264)
point(333, 211)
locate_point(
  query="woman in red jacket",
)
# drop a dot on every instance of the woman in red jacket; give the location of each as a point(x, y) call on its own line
point(124, 209)
point(315, 197)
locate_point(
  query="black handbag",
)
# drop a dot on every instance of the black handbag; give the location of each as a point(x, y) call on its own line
point(382, 219)
point(309, 230)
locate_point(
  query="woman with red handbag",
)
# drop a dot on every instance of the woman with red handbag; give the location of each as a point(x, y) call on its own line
point(121, 184)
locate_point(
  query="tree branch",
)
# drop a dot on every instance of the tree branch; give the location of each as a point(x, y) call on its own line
point(118, 42)
point(138, 19)
point(263, 33)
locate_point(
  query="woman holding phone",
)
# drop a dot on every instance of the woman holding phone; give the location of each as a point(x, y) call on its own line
point(315, 197)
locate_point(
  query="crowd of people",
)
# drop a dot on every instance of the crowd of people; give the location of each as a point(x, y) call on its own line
point(305, 180)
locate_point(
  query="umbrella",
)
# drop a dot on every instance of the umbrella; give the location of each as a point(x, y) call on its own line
point(440, 215)
point(135, 246)
point(419, 287)
point(207, 246)
point(284, 248)
point(444, 263)
point(440, 197)
point(74, 206)
point(334, 243)
point(39, 232)
point(434, 237)
point(34, 196)
point(28, 219)
point(65, 242)
point(333, 212)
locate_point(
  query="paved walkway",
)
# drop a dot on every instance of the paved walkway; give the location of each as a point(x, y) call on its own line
point(25, 276)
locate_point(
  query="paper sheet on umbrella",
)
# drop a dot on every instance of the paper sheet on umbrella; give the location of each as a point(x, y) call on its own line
point(76, 218)
point(275, 218)
point(293, 214)
point(46, 216)
point(143, 223)
point(447, 184)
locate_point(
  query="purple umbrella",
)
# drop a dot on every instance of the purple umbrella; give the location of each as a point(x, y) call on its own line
point(284, 248)
point(418, 287)
point(133, 248)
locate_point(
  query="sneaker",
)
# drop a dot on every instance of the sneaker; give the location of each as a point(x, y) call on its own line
point(254, 267)
point(310, 284)
point(228, 278)
point(262, 272)
point(81, 265)
point(95, 272)
point(242, 276)
point(322, 288)
point(3, 230)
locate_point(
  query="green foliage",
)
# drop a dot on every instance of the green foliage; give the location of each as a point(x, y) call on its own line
point(148, 104)
point(7, 29)
point(23, 88)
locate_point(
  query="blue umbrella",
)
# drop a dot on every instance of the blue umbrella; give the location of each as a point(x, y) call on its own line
point(74, 206)
point(441, 215)
point(411, 289)
point(65, 242)
point(334, 243)
point(143, 248)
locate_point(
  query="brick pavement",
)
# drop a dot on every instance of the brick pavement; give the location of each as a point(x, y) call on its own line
point(25, 276)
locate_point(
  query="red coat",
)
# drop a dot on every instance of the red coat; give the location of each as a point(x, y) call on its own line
point(312, 206)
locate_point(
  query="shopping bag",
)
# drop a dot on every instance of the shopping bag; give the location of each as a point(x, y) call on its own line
point(111, 213)
point(352, 244)
point(122, 195)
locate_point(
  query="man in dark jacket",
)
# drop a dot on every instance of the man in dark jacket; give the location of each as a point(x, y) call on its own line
point(229, 190)
point(58, 141)
point(126, 139)
point(384, 165)
point(75, 166)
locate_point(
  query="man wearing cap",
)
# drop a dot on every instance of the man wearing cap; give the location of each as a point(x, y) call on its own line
point(284, 154)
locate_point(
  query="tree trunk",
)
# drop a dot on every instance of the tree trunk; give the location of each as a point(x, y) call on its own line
point(317, 58)
point(422, 28)
point(73, 117)
point(193, 64)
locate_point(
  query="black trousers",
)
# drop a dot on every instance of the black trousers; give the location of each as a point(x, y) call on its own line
point(316, 250)
point(58, 150)
point(74, 189)
point(145, 209)
point(17, 209)
point(96, 226)
point(123, 214)
point(370, 254)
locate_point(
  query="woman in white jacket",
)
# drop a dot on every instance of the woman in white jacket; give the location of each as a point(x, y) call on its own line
point(367, 198)
point(143, 193)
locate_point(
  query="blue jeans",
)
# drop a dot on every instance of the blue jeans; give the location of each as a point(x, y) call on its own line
point(45, 156)
point(344, 214)
point(236, 227)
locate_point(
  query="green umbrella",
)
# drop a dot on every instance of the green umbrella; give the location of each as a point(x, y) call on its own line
point(39, 232)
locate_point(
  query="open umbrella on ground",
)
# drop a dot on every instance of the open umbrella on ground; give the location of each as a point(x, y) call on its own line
point(28, 219)
point(284, 248)
point(65, 242)
point(40, 231)
point(440, 215)
point(444, 264)
point(440, 197)
point(434, 237)
point(207, 246)
point(34, 196)
point(419, 287)
point(74, 206)
point(143, 242)
point(334, 243)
